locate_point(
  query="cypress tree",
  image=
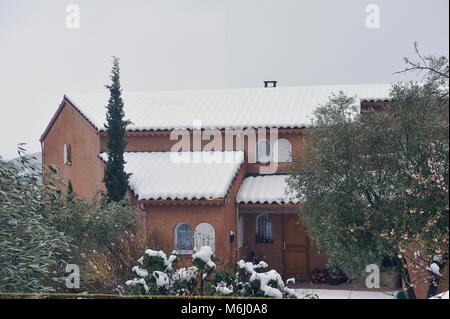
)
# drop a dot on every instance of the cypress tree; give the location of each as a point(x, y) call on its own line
point(70, 195)
point(115, 178)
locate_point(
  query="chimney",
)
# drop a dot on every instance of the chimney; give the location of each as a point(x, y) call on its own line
point(268, 84)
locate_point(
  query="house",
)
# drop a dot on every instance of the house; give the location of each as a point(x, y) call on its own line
point(208, 166)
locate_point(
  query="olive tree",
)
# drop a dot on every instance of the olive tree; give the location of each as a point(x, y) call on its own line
point(374, 184)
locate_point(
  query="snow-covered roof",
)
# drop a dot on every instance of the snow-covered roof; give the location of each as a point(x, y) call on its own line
point(281, 107)
point(161, 176)
point(264, 189)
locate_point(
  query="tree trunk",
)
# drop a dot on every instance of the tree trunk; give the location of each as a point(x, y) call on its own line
point(407, 280)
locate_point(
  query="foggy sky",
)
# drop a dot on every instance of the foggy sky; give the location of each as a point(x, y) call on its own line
point(197, 44)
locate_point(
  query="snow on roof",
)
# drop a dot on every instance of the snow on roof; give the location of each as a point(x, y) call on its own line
point(157, 176)
point(281, 107)
point(264, 189)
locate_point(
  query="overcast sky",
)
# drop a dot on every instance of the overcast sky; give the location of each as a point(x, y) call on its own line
point(196, 44)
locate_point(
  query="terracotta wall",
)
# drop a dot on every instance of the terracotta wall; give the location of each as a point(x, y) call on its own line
point(143, 143)
point(86, 170)
point(162, 142)
point(162, 219)
point(316, 259)
point(273, 252)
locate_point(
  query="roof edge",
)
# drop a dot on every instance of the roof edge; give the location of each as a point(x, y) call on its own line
point(267, 205)
point(181, 202)
point(64, 101)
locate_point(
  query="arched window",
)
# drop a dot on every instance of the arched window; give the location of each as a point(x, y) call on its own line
point(263, 151)
point(204, 235)
point(264, 232)
point(282, 151)
point(183, 239)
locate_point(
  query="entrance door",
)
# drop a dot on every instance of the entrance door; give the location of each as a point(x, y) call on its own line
point(295, 248)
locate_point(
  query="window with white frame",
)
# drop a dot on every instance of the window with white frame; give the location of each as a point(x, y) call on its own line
point(183, 239)
point(263, 151)
point(264, 232)
point(204, 235)
point(282, 151)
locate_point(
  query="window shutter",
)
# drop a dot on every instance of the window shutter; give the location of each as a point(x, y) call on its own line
point(283, 151)
point(241, 232)
point(65, 154)
point(204, 235)
point(263, 151)
point(69, 154)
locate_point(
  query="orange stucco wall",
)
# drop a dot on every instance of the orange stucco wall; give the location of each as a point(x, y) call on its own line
point(163, 219)
point(273, 252)
point(162, 142)
point(85, 171)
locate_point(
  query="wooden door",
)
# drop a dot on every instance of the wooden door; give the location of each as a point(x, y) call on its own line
point(295, 247)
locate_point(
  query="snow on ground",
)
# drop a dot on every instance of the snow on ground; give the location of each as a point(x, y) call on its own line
point(347, 294)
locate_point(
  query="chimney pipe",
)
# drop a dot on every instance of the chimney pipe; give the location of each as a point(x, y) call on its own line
point(268, 83)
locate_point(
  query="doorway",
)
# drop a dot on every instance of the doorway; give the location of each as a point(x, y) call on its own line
point(295, 248)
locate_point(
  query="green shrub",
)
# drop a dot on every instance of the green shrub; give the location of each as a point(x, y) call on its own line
point(33, 251)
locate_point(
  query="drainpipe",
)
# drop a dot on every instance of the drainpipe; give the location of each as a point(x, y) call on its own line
point(237, 236)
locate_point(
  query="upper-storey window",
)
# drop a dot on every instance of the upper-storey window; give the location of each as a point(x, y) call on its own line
point(263, 151)
point(67, 154)
point(282, 150)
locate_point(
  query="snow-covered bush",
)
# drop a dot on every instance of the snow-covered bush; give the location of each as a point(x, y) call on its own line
point(158, 274)
point(153, 273)
point(262, 284)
